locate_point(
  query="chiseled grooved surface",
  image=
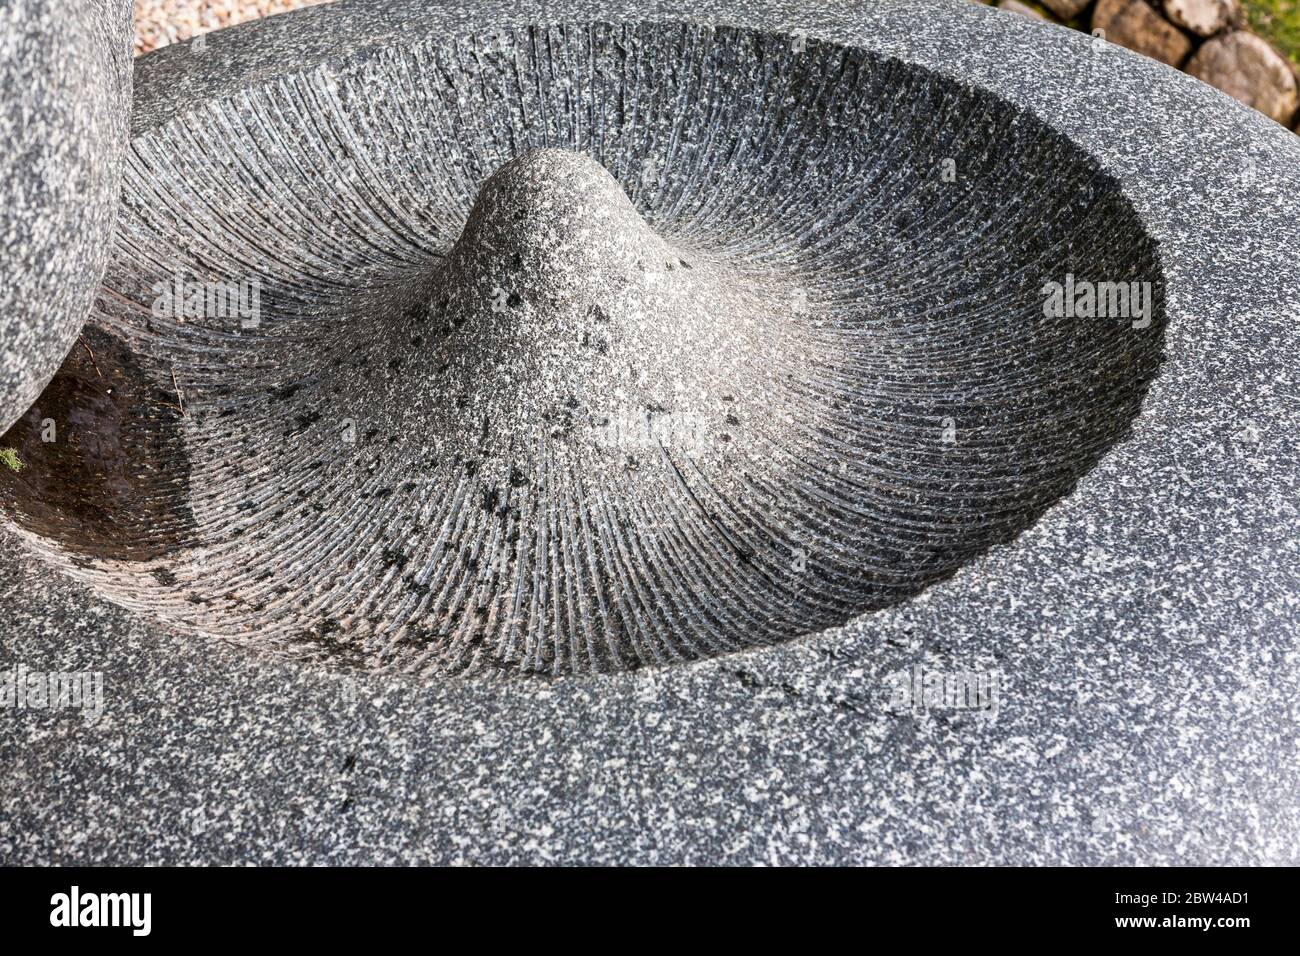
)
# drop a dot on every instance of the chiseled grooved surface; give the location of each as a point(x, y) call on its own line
point(834, 304)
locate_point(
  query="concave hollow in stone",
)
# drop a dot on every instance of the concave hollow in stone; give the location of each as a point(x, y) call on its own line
point(581, 348)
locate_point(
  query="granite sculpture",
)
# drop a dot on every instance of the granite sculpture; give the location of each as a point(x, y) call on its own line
point(518, 405)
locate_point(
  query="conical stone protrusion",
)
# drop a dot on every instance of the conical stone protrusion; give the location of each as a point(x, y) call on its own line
point(561, 317)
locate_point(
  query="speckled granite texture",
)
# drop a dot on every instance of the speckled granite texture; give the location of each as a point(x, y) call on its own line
point(1142, 629)
point(65, 73)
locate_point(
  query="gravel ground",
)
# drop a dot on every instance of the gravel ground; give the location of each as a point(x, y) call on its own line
point(160, 22)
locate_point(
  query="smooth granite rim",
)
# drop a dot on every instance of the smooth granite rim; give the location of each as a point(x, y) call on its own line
point(1145, 626)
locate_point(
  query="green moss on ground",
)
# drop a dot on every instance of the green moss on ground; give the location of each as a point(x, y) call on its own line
point(1278, 22)
point(9, 458)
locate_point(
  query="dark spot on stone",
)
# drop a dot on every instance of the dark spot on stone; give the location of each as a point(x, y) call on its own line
point(414, 586)
point(115, 481)
point(306, 420)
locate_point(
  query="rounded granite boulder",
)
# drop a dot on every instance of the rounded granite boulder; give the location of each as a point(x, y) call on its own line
point(65, 73)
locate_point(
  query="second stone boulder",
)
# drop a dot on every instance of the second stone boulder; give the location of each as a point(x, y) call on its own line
point(1136, 25)
point(1202, 17)
point(1248, 69)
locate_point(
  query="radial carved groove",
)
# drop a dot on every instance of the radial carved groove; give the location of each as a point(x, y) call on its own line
point(586, 347)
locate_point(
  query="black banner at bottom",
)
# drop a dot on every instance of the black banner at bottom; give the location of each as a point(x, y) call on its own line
point(337, 906)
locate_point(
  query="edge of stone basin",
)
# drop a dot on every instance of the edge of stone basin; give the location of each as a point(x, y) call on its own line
point(1151, 721)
